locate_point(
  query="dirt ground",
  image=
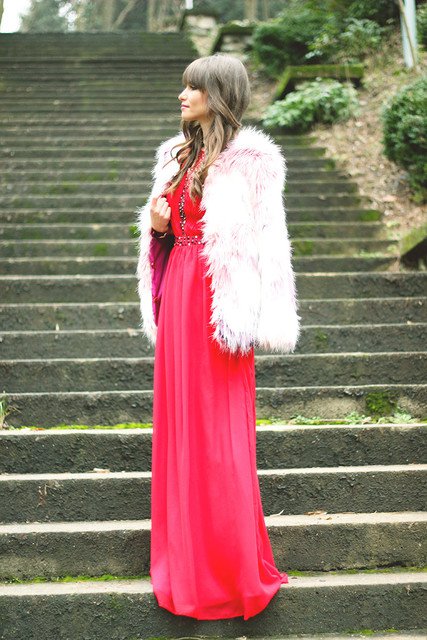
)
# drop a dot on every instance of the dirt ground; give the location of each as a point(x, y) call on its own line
point(356, 144)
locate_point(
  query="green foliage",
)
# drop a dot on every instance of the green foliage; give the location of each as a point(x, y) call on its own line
point(285, 40)
point(350, 41)
point(404, 119)
point(381, 11)
point(422, 25)
point(317, 101)
point(44, 16)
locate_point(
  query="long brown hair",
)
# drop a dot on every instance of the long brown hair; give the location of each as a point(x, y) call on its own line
point(225, 81)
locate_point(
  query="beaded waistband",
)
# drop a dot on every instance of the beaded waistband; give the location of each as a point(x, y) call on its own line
point(186, 240)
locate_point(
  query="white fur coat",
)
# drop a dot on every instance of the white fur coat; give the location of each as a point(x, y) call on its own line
point(246, 245)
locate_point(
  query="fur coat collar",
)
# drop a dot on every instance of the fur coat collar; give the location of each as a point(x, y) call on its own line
point(246, 245)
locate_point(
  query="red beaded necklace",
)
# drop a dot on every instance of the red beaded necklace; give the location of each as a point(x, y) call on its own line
point(188, 176)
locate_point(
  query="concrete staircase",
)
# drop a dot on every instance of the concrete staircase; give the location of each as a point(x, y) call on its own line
point(344, 503)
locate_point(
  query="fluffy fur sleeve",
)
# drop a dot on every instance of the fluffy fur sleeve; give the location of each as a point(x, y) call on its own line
point(143, 270)
point(278, 323)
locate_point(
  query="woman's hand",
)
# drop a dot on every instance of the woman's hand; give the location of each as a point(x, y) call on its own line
point(160, 212)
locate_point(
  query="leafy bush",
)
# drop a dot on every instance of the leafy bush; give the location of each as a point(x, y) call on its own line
point(422, 25)
point(404, 120)
point(347, 42)
point(285, 39)
point(381, 11)
point(315, 101)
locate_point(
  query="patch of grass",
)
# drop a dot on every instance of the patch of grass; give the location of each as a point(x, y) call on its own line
point(124, 425)
point(371, 215)
point(303, 247)
point(63, 187)
point(133, 231)
point(106, 577)
point(80, 578)
point(100, 249)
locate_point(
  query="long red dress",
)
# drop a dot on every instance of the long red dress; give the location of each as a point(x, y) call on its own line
point(211, 556)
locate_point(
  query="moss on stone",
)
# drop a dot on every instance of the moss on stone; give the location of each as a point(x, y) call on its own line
point(321, 339)
point(124, 425)
point(100, 249)
point(63, 187)
point(371, 215)
point(381, 403)
point(303, 247)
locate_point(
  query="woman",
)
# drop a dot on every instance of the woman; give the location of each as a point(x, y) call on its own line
point(214, 280)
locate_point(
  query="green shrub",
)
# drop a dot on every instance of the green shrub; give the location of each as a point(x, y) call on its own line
point(381, 11)
point(349, 41)
point(422, 25)
point(404, 119)
point(285, 40)
point(315, 101)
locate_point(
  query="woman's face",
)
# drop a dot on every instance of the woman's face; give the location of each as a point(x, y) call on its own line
point(194, 104)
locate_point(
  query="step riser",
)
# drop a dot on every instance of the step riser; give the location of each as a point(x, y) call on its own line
point(80, 216)
point(128, 343)
point(60, 150)
point(27, 376)
point(121, 498)
point(91, 231)
point(139, 130)
point(129, 247)
point(114, 407)
point(123, 288)
point(123, 266)
point(292, 610)
point(131, 202)
point(114, 186)
point(71, 316)
point(130, 450)
point(127, 552)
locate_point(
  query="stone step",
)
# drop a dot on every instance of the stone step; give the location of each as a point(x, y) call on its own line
point(127, 608)
point(129, 341)
point(129, 247)
point(92, 107)
point(97, 71)
point(163, 127)
point(140, 148)
point(140, 132)
point(109, 316)
point(278, 446)
point(130, 201)
point(48, 409)
point(126, 495)
point(81, 159)
point(121, 373)
point(55, 265)
point(78, 46)
point(89, 230)
point(57, 122)
point(332, 541)
point(294, 214)
point(142, 185)
point(122, 288)
point(132, 174)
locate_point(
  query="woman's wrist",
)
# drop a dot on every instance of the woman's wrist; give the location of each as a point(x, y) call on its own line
point(159, 234)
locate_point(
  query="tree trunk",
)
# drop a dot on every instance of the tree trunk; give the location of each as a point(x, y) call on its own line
point(265, 10)
point(1, 10)
point(251, 12)
point(122, 15)
point(151, 20)
point(108, 11)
